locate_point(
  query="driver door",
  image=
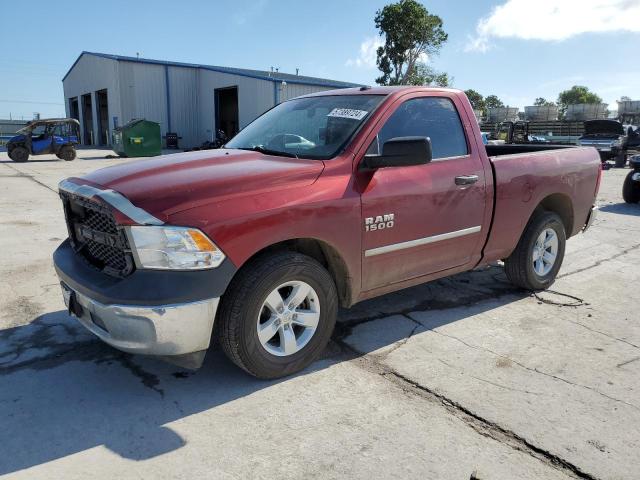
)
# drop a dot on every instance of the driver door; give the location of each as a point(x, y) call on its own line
point(422, 219)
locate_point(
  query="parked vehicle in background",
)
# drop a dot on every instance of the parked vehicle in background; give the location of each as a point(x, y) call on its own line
point(57, 136)
point(221, 139)
point(631, 186)
point(323, 201)
point(608, 137)
point(517, 133)
point(633, 139)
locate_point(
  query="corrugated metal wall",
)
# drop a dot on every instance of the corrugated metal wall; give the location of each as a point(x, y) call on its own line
point(143, 93)
point(183, 93)
point(293, 90)
point(90, 74)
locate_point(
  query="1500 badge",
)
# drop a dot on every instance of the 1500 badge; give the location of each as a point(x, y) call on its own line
point(380, 222)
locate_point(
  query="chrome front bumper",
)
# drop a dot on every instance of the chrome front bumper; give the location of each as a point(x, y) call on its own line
point(164, 330)
point(593, 214)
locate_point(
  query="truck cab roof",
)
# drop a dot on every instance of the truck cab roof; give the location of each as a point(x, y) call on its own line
point(386, 90)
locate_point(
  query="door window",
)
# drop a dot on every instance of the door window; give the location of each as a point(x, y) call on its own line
point(433, 117)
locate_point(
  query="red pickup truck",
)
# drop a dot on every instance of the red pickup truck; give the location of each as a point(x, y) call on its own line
point(323, 201)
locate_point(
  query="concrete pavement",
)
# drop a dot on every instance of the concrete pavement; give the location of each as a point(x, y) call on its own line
point(462, 375)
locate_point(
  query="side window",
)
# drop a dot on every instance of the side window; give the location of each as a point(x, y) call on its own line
point(433, 117)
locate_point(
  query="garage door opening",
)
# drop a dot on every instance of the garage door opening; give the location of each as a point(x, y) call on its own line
point(87, 120)
point(74, 109)
point(226, 108)
point(102, 106)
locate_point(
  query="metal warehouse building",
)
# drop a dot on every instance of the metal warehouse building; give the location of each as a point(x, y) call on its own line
point(104, 91)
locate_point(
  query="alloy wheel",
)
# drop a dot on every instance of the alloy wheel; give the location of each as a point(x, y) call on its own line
point(288, 318)
point(545, 252)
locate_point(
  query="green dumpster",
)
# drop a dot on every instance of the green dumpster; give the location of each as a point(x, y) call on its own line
point(138, 138)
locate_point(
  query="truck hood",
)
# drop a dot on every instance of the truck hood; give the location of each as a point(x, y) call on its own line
point(172, 183)
point(603, 127)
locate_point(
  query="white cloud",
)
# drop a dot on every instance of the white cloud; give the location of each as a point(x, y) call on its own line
point(367, 56)
point(554, 20)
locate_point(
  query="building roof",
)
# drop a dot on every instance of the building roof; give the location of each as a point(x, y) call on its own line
point(259, 74)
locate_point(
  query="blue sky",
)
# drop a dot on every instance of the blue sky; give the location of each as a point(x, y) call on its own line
point(516, 49)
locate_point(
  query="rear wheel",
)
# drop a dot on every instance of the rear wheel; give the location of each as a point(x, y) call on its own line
point(631, 189)
point(19, 154)
point(67, 153)
point(278, 315)
point(535, 262)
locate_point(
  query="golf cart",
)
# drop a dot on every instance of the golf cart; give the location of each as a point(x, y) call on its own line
point(39, 137)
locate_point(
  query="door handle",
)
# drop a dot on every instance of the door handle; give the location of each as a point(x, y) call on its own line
point(466, 179)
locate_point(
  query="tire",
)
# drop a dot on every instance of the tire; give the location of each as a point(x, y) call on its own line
point(621, 160)
point(244, 309)
point(519, 267)
point(631, 189)
point(66, 153)
point(19, 154)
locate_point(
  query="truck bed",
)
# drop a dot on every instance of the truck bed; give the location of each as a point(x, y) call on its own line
point(511, 149)
point(524, 176)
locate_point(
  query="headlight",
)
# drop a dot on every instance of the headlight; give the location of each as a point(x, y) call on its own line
point(173, 248)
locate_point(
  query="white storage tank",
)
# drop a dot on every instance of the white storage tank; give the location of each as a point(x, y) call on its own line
point(542, 113)
point(586, 111)
point(502, 114)
point(629, 107)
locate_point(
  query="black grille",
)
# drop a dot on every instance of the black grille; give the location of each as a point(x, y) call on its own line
point(95, 235)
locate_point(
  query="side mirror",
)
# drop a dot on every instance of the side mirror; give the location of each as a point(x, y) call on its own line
point(400, 152)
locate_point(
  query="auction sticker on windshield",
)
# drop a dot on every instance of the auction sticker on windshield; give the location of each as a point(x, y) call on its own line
point(348, 113)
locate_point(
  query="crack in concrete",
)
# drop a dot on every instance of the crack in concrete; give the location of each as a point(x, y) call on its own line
point(587, 327)
point(627, 362)
point(484, 427)
point(504, 387)
point(536, 370)
point(600, 262)
point(496, 432)
point(399, 344)
point(32, 178)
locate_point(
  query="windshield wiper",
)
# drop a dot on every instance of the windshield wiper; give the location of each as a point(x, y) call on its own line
point(267, 151)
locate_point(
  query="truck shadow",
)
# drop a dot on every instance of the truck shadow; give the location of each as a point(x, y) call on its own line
point(622, 209)
point(63, 392)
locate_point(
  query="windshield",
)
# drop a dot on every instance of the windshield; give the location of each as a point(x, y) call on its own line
point(314, 127)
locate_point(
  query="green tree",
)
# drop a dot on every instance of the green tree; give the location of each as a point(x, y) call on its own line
point(492, 101)
point(410, 32)
point(576, 94)
point(424, 74)
point(477, 100)
point(542, 102)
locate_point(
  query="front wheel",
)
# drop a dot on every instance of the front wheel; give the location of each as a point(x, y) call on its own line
point(631, 189)
point(621, 160)
point(278, 315)
point(19, 154)
point(535, 262)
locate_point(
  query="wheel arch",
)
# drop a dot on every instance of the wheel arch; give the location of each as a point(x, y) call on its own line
point(321, 251)
point(561, 205)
